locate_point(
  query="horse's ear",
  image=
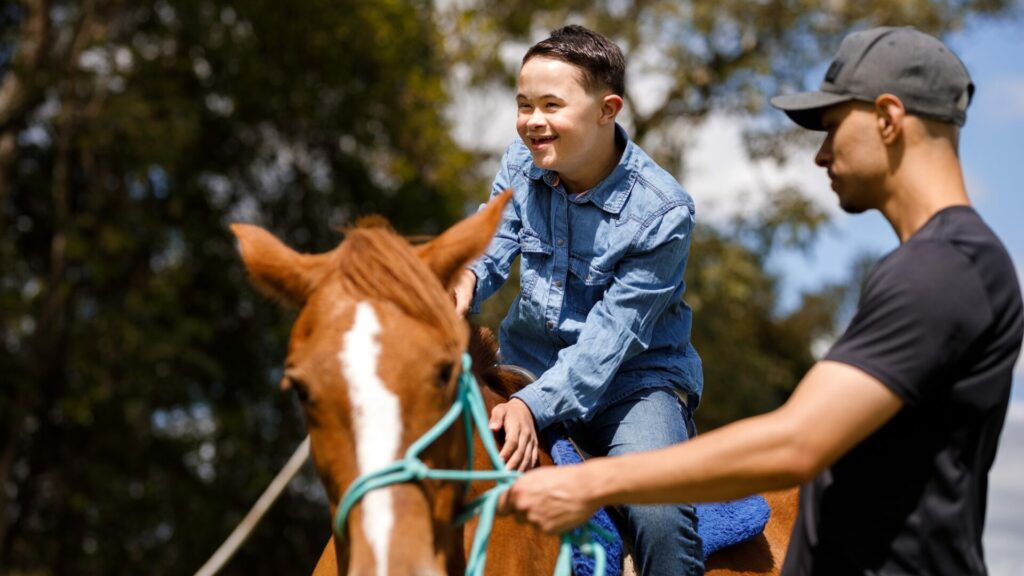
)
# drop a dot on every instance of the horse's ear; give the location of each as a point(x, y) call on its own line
point(276, 269)
point(463, 242)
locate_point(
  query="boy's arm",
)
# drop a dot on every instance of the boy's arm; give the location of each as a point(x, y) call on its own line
point(491, 269)
point(619, 326)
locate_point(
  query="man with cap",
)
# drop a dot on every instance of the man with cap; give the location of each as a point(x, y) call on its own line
point(893, 433)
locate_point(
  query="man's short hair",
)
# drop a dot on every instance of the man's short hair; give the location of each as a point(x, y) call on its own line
point(599, 58)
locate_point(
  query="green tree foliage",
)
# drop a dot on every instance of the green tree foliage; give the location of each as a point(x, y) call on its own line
point(139, 409)
point(754, 354)
point(687, 60)
point(138, 412)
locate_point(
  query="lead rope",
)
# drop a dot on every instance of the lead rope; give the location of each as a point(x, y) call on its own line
point(241, 532)
point(469, 402)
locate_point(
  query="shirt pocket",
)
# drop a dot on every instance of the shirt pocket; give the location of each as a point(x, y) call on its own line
point(585, 285)
point(536, 256)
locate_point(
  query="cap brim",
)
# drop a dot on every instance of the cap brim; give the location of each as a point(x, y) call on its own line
point(805, 108)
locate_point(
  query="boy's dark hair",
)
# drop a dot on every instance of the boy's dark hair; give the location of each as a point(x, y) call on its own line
point(599, 58)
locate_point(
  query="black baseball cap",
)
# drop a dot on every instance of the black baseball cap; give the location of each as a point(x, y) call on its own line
point(917, 68)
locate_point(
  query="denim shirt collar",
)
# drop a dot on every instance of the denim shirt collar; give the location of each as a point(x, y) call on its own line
point(611, 193)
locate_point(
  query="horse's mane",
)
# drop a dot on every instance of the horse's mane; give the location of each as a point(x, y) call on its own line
point(375, 263)
point(483, 348)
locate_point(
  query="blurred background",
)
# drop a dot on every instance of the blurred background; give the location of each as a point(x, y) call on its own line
point(139, 410)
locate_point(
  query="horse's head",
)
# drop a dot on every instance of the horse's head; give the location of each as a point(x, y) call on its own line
point(374, 357)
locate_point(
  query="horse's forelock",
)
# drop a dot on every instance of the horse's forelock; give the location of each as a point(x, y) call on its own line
point(375, 263)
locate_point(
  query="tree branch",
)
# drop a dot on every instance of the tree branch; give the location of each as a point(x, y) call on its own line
point(21, 89)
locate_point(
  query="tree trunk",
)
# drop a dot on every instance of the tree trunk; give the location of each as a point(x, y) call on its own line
point(21, 88)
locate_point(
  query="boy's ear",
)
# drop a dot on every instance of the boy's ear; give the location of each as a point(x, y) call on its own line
point(450, 252)
point(611, 105)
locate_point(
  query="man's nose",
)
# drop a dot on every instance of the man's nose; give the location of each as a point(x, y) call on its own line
point(824, 156)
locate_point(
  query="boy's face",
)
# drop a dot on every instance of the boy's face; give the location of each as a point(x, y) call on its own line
point(559, 120)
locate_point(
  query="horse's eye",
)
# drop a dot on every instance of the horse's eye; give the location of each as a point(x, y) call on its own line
point(297, 386)
point(444, 375)
point(301, 391)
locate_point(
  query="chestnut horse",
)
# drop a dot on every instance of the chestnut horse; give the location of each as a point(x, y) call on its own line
point(374, 357)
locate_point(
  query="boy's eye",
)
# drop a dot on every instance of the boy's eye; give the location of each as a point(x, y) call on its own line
point(551, 106)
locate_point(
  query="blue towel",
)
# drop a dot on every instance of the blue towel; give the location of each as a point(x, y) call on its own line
point(564, 453)
point(719, 524)
point(722, 524)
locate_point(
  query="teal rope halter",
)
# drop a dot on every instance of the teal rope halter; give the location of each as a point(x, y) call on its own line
point(470, 404)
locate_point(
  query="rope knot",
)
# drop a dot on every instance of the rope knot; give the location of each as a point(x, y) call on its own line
point(417, 468)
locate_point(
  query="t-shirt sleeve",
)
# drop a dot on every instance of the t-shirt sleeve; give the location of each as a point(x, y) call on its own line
point(921, 310)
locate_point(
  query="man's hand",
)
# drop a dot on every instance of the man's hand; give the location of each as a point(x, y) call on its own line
point(463, 290)
point(520, 450)
point(554, 499)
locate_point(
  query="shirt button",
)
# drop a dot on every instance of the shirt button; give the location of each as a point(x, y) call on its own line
point(558, 283)
point(560, 242)
point(551, 325)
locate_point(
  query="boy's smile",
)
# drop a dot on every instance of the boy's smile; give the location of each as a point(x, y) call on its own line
point(567, 128)
point(539, 143)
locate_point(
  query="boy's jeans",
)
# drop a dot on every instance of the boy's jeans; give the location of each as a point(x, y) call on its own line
point(665, 540)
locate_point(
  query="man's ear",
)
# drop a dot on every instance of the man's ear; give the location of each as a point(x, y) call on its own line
point(276, 269)
point(450, 252)
point(890, 113)
point(611, 105)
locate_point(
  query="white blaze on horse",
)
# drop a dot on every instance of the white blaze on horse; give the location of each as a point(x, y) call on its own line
point(374, 356)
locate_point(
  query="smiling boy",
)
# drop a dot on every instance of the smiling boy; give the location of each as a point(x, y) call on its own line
point(604, 234)
point(893, 432)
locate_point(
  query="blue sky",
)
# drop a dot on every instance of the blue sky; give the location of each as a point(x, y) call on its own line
point(992, 148)
point(993, 140)
point(722, 181)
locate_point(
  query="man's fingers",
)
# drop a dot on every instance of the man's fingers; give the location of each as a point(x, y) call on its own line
point(504, 502)
point(507, 506)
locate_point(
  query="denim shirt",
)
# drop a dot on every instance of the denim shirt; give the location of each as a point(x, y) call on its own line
point(600, 313)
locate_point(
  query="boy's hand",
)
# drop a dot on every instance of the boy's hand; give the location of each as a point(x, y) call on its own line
point(462, 291)
point(520, 450)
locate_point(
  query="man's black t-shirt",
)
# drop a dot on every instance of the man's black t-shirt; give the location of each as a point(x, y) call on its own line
point(940, 324)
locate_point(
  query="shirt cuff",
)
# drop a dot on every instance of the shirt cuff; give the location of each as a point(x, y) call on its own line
point(538, 405)
point(479, 270)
